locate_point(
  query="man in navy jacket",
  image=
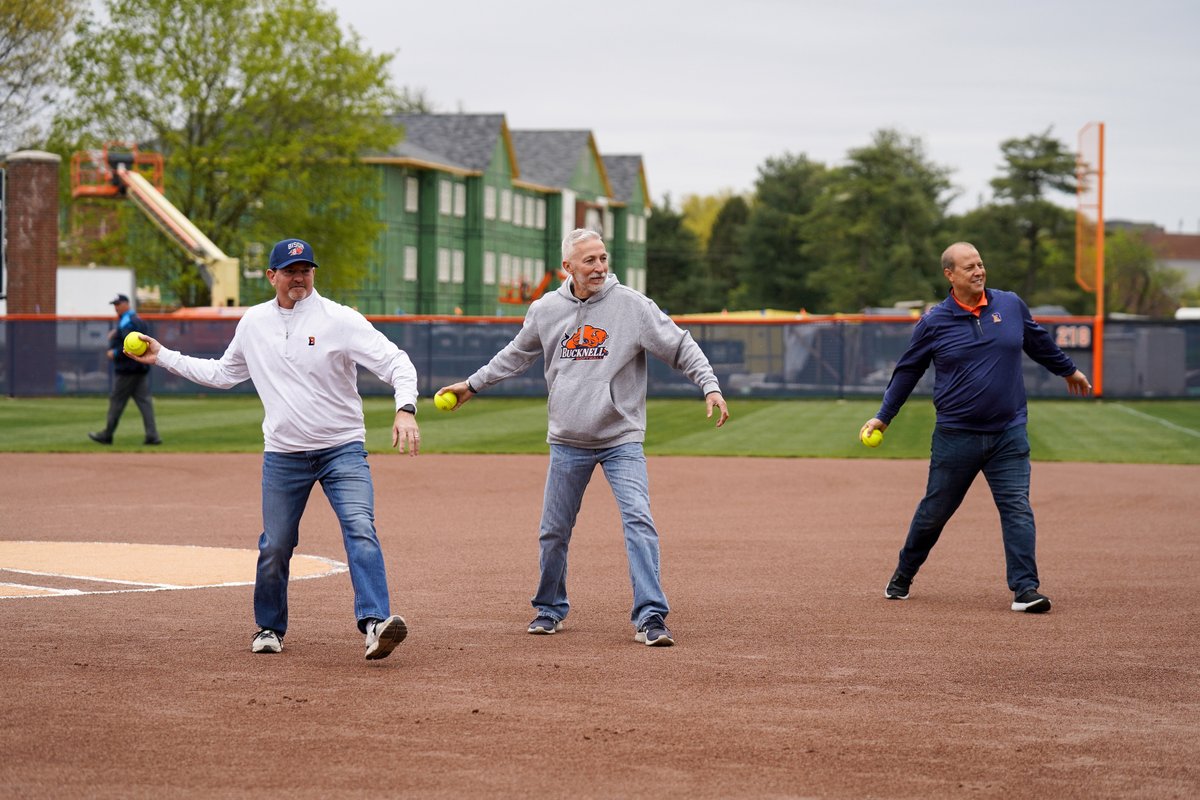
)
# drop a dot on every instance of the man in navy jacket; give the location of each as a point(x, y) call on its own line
point(974, 339)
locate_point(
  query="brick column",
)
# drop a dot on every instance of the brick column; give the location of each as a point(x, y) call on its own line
point(31, 228)
point(31, 223)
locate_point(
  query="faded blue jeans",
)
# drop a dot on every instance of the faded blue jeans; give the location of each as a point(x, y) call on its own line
point(570, 470)
point(287, 481)
point(957, 457)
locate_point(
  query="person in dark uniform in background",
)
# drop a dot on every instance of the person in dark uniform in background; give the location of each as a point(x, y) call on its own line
point(130, 378)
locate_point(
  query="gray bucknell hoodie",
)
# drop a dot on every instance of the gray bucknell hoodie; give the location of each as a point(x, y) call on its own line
point(595, 353)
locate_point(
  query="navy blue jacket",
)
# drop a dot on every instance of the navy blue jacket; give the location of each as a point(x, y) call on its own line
point(978, 384)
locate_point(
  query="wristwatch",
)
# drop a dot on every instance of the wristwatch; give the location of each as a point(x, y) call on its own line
point(409, 407)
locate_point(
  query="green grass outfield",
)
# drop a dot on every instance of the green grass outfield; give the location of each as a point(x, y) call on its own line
point(1143, 431)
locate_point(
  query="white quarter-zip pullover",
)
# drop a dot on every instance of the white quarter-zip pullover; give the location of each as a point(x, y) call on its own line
point(303, 366)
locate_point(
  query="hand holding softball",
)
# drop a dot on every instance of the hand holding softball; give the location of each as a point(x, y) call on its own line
point(450, 398)
point(871, 434)
point(147, 353)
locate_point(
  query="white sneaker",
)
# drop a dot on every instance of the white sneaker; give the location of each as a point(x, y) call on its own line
point(266, 641)
point(383, 636)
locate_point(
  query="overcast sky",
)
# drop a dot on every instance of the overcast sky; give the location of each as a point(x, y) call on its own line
point(706, 91)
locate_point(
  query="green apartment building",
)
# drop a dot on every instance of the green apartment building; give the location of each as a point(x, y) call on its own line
point(474, 215)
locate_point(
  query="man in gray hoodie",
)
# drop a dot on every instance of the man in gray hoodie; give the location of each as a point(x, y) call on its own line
point(594, 335)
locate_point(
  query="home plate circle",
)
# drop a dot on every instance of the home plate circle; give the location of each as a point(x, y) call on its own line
point(55, 569)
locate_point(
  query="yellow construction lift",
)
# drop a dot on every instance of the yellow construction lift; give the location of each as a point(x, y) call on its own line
point(121, 170)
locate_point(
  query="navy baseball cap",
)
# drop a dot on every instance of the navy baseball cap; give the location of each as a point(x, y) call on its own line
point(291, 251)
point(118, 299)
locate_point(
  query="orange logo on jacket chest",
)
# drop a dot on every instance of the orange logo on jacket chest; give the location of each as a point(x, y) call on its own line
point(584, 344)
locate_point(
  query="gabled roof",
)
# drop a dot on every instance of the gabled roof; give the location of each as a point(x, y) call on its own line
point(1175, 246)
point(626, 173)
point(549, 158)
point(463, 142)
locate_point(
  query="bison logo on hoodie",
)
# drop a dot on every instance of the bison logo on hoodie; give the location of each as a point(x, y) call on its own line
point(584, 344)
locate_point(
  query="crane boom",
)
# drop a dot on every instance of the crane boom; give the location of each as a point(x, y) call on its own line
point(222, 270)
point(118, 170)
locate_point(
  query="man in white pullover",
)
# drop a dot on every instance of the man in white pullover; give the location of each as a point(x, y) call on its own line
point(594, 335)
point(301, 351)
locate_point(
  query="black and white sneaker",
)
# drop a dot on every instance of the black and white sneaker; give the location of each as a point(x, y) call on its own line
point(266, 641)
point(654, 633)
point(1031, 602)
point(898, 586)
point(545, 626)
point(384, 635)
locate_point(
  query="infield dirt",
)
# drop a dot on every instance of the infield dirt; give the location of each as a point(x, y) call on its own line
point(792, 677)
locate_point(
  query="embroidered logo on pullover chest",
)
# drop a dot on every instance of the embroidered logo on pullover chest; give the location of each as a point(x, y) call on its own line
point(584, 344)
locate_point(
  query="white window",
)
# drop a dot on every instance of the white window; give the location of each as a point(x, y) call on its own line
point(505, 205)
point(593, 220)
point(489, 202)
point(445, 197)
point(443, 265)
point(608, 222)
point(518, 210)
point(412, 196)
point(458, 267)
point(489, 268)
point(541, 214)
point(641, 229)
point(631, 229)
point(505, 269)
point(410, 263)
point(460, 200)
point(539, 267)
point(530, 213)
point(529, 273)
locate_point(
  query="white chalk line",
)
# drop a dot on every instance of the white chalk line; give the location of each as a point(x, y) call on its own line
point(335, 567)
point(1159, 420)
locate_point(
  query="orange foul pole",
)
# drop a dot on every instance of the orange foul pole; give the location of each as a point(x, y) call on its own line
point(1089, 236)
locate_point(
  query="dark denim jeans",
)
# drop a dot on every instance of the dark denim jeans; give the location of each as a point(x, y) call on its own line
point(570, 471)
point(287, 481)
point(957, 457)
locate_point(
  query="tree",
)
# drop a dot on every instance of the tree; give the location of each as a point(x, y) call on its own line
point(874, 228)
point(672, 259)
point(1134, 281)
point(725, 243)
point(1034, 167)
point(31, 32)
point(772, 269)
point(262, 109)
point(700, 211)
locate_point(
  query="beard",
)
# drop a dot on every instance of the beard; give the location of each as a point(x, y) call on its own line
point(297, 293)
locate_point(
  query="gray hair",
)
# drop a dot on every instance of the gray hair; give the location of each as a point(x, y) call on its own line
point(948, 255)
point(572, 239)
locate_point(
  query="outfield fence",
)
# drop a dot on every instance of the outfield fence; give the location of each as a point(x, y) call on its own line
point(843, 356)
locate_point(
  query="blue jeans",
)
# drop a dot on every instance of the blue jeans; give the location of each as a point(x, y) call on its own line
point(957, 457)
point(570, 470)
point(287, 481)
